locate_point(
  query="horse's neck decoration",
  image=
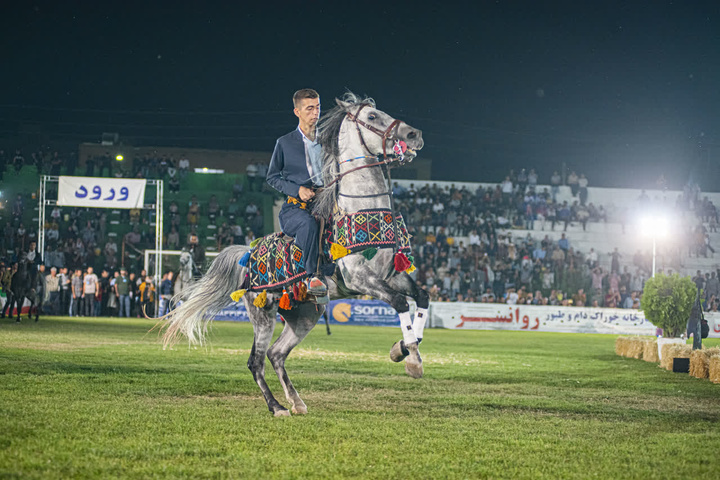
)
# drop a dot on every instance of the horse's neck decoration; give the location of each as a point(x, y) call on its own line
point(359, 143)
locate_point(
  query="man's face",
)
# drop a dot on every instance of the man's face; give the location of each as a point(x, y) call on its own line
point(308, 111)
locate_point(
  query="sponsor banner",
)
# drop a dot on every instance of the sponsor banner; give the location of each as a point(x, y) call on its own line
point(236, 313)
point(349, 312)
point(24, 310)
point(363, 312)
point(491, 316)
point(101, 192)
point(713, 319)
point(495, 316)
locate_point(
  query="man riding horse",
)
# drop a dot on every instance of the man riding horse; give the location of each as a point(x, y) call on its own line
point(296, 171)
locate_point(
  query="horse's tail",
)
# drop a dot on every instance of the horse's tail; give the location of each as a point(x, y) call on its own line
point(204, 299)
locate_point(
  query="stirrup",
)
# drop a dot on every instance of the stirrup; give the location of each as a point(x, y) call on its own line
point(317, 287)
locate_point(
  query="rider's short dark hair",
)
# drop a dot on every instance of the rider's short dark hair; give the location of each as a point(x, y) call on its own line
point(302, 94)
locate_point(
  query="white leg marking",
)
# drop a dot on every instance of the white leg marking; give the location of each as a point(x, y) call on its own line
point(407, 328)
point(421, 315)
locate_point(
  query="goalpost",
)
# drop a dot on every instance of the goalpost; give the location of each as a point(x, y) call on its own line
point(109, 193)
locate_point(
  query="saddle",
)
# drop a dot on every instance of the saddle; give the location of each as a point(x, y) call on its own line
point(276, 264)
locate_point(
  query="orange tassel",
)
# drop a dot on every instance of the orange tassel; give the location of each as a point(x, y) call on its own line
point(284, 301)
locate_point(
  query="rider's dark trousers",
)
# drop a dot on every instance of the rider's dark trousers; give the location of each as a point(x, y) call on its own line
point(299, 224)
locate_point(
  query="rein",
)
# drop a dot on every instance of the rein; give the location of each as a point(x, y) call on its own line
point(387, 134)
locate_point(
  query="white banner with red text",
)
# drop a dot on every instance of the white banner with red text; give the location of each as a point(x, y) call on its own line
point(534, 318)
point(96, 192)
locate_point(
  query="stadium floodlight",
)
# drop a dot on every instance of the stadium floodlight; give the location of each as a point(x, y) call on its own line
point(654, 226)
point(209, 170)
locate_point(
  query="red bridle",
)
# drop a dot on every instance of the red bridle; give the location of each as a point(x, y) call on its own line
point(388, 134)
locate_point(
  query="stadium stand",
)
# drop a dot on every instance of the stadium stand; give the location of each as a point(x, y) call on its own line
point(513, 241)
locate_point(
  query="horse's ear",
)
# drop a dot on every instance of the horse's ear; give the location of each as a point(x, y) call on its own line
point(344, 105)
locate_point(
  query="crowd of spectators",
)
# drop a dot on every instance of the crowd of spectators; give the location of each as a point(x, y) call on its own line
point(465, 248)
point(489, 264)
point(80, 239)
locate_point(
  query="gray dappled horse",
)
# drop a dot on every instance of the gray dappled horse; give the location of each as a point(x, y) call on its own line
point(185, 273)
point(354, 135)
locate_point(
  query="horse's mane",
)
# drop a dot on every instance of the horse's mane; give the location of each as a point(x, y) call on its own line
point(328, 136)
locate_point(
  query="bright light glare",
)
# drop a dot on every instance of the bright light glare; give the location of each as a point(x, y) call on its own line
point(119, 158)
point(654, 226)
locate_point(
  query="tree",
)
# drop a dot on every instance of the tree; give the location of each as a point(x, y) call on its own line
point(667, 301)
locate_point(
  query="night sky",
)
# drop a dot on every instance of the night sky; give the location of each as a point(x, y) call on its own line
point(622, 91)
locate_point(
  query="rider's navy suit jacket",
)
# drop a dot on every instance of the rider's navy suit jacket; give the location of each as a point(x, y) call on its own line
point(288, 169)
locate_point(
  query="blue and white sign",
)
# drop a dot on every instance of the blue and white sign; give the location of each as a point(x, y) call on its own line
point(363, 312)
point(99, 192)
point(349, 312)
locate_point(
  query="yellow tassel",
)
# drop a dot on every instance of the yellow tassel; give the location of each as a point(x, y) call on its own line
point(237, 295)
point(411, 269)
point(337, 251)
point(260, 300)
point(284, 301)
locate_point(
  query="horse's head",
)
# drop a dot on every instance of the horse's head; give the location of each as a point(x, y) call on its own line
point(378, 132)
point(185, 258)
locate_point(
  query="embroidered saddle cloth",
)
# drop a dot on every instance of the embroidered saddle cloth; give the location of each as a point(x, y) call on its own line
point(364, 229)
point(277, 262)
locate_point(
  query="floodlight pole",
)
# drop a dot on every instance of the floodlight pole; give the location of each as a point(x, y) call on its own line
point(653, 268)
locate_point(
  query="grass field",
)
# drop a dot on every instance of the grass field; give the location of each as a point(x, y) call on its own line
point(99, 398)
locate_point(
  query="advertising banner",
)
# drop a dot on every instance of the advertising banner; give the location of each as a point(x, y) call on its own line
point(532, 318)
point(349, 312)
point(713, 319)
point(492, 316)
point(98, 192)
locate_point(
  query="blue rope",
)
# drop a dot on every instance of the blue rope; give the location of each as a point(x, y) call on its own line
point(357, 158)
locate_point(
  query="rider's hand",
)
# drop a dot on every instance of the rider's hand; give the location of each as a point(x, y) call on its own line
point(305, 194)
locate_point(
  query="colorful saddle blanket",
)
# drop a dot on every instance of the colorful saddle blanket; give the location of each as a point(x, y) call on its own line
point(277, 262)
point(367, 228)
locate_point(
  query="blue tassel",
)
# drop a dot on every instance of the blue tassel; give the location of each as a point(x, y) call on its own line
point(244, 260)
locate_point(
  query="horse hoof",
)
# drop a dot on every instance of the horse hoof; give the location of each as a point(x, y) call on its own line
point(299, 410)
point(413, 365)
point(415, 370)
point(398, 352)
point(282, 413)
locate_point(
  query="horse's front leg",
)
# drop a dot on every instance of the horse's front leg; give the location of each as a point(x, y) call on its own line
point(404, 283)
point(298, 323)
point(367, 283)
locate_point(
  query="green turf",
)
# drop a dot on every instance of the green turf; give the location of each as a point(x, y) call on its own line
point(99, 398)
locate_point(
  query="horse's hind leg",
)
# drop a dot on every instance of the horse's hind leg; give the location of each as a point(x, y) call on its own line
point(263, 321)
point(298, 323)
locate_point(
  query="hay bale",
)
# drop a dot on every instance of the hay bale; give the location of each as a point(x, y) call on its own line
point(621, 345)
point(700, 362)
point(635, 347)
point(650, 350)
point(674, 350)
point(714, 369)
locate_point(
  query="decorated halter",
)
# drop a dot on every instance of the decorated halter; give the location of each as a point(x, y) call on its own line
point(389, 133)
